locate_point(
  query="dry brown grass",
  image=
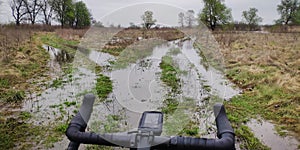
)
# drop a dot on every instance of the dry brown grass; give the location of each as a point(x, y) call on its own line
point(71, 34)
point(21, 59)
point(267, 67)
point(128, 36)
point(254, 50)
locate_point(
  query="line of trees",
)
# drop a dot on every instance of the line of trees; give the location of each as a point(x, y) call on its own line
point(66, 12)
point(75, 14)
point(215, 14)
point(187, 18)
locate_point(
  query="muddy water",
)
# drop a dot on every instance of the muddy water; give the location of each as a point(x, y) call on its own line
point(212, 77)
point(137, 88)
point(265, 131)
point(52, 103)
point(53, 63)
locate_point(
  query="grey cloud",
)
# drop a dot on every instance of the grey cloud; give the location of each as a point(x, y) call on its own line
point(267, 8)
point(99, 8)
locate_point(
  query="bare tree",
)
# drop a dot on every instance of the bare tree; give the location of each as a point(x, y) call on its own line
point(47, 11)
point(33, 8)
point(190, 18)
point(18, 9)
point(181, 19)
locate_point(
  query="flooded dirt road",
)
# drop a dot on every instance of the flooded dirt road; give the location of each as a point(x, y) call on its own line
point(137, 88)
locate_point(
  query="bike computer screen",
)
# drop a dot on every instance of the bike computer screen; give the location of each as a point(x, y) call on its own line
point(151, 121)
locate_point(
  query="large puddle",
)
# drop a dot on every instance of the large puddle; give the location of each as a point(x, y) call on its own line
point(136, 88)
point(265, 132)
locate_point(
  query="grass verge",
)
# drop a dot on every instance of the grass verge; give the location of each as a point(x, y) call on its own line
point(25, 61)
point(103, 87)
point(17, 133)
point(54, 40)
point(169, 74)
point(266, 67)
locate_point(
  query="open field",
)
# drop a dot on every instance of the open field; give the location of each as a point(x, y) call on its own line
point(22, 59)
point(266, 67)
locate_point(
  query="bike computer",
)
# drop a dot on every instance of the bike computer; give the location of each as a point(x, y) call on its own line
point(151, 121)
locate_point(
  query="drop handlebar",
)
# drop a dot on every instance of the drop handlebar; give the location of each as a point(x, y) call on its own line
point(77, 135)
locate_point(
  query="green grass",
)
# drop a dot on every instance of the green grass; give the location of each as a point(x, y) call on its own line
point(268, 101)
point(173, 123)
point(68, 69)
point(248, 139)
point(54, 40)
point(190, 129)
point(68, 104)
point(29, 61)
point(112, 124)
point(261, 98)
point(52, 135)
point(25, 115)
point(175, 115)
point(4, 83)
point(103, 87)
point(26, 69)
point(169, 74)
point(65, 78)
point(113, 51)
point(31, 64)
point(98, 147)
point(62, 128)
point(17, 132)
point(56, 106)
point(13, 131)
point(177, 120)
point(56, 83)
point(169, 105)
point(12, 96)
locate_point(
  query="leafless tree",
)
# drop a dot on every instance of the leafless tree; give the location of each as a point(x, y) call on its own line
point(47, 11)
point(18, 9)
point(181, 19)
point(190, 18)
point(33, 8)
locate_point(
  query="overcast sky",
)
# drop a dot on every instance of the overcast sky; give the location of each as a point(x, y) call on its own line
point(165, 11)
